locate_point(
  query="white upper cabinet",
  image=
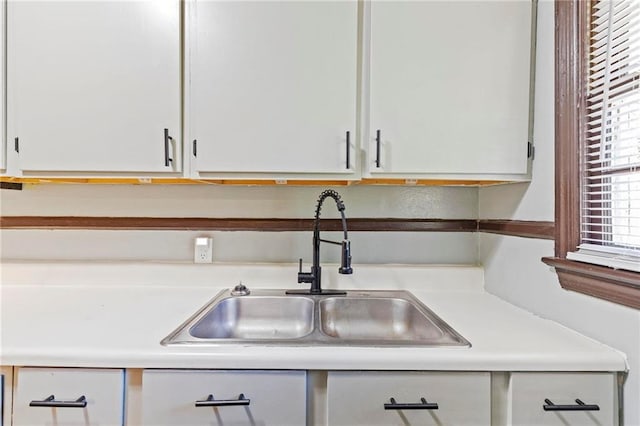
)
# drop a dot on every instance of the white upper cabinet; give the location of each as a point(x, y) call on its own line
point(268, 89)
point(3, 91)
point(449, 88)
point(93, 85)
point(272, 88)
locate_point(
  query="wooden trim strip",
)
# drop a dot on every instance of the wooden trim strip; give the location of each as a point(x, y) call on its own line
point(235, 224)
point(570, 81)
point(518, 228)
point(525, 229)
point(412, 225)
point(614, 285)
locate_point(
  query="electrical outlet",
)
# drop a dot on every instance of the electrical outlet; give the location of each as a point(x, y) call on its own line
point(203, 252)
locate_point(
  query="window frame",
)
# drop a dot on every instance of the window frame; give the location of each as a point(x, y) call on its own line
point(571, 44)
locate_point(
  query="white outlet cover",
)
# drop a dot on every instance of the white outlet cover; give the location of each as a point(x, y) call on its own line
point(203, 251)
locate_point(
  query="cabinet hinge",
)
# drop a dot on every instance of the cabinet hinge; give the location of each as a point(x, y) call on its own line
point(195, 147)
point(531, 150)
point(11, 185)
point(16, 144)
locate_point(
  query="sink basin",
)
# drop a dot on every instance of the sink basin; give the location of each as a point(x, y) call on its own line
point(361, 318)
point(267, 317)
point(375, 319)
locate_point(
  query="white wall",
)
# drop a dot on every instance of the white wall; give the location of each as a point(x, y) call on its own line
point(513, 269)
point(247, 202)
point(236, 201)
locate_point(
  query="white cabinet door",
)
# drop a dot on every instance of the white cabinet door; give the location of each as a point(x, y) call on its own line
point(53, 396)
point(273, 87)
point(359, 398)
point(3, 91)
point(94, 84)
point(528, 392)
point(169, 397)
point(449, 87)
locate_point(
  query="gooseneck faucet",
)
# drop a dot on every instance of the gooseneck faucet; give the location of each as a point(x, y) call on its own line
point(314, 277)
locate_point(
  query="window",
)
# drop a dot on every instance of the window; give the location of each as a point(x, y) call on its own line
point(610, 148)
point(598, 148)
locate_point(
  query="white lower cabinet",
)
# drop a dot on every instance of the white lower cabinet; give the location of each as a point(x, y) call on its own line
point(68, 396)
point(549, 399)
point(6, 389)
point(96, 397)
point(223, 397)
point(450, 398)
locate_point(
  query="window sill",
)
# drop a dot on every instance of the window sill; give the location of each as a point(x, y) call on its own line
point(610, 260)
point(614, 285)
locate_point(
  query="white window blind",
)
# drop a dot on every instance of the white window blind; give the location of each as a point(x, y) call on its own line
point(610, 166)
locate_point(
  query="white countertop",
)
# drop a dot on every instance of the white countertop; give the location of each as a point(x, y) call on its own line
point(115, 315)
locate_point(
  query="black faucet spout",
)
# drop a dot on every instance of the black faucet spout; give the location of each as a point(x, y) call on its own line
point(314, 277)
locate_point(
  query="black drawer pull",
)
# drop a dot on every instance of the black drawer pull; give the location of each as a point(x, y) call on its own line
point(167, 157)
point(424, 405)
point(581, 406)
point(348, 150)
point(378, 142)
point(210, 402)
point(51, 402)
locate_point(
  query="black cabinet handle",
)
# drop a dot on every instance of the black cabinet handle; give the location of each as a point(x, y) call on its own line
point(423, 405)
point(167, 157)
point(581, 406)
point(378, 148)
point(348, 150)
point(50, 402)
point(210, 402)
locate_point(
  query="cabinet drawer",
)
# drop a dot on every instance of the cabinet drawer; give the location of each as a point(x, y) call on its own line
point(359, 398)
point(102, 389)
point(529, 391)
point(6, 385)
point(270, 397)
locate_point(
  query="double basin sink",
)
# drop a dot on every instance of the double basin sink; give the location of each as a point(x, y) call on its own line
point(360, 318)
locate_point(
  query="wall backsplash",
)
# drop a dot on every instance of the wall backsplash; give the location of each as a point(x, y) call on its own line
point(236, 202)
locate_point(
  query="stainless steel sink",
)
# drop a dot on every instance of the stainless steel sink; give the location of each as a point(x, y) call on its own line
point(376, 318)
point(267, 317)
point(361, 318)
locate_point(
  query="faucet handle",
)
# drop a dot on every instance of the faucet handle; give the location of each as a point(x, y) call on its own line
point(304, 277)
